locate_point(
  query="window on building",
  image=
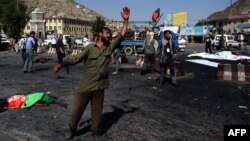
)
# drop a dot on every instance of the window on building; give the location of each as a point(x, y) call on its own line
point(242, 21)
point(28, 27)
point(47, 28)
point(54, 27)
point(59, 20)
point(54, 20)
point(50, 20)
point(59, 27)
point(50, 27)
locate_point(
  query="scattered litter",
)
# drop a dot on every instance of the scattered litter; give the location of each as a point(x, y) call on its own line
point(242, 107)
point(132, 74)
point(149, 77)
point(155, 88)
point(160, 90)
point(196, 99)
point(48, 92)
point(23, 116)
point(205, 97)
point(240, 87)
point(218, 107)
point(248, 94)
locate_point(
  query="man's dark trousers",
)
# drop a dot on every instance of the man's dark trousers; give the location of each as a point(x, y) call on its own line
point(81, 101)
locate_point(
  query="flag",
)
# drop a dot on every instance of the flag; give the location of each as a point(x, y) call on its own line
point(156, 16)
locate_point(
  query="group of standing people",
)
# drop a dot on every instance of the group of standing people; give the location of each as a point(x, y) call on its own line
point(28, 47)
point(160, 54)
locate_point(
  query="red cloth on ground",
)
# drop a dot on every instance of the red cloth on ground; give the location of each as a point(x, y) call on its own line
point(16, 101)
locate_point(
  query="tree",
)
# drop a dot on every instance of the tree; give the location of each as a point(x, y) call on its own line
point(97, 25)
point(13, 16)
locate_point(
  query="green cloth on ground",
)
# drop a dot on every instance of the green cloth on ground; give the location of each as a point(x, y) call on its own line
point(33, 98)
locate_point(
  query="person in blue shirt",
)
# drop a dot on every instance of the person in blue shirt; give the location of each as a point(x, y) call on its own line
point(29, 53)
point(22, 43)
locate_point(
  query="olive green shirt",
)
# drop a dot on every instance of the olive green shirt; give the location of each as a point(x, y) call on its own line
point(96, 66)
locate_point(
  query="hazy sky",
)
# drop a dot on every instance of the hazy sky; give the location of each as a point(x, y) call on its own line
point(141, 10)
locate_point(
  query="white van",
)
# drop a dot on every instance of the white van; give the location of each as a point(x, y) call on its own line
point(47, 42)
point(230, 41)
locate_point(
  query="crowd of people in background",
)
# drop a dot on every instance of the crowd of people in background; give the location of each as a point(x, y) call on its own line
point(28, 45)
point(159, 54)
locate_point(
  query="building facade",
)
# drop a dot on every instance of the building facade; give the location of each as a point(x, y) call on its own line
point(61, 25)
point(228, 23)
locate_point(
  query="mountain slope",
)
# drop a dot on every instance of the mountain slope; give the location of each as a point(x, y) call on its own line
point(63, 8)
point(237, 8)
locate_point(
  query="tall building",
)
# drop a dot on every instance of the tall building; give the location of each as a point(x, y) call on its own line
point(37, 22)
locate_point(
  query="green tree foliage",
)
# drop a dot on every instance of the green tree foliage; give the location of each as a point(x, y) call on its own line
point(97, 25)
point(13, 16)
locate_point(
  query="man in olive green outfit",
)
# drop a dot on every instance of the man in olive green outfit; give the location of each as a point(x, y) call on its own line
point(94, 80)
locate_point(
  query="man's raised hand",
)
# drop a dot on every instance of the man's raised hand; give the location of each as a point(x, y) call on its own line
point(125, 13)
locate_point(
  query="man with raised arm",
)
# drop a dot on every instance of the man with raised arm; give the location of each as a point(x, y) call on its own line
point(94, 80)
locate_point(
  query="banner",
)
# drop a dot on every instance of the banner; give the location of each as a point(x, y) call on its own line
point(169, 20)
point(174, 29)
point(187, 30)
point(180, 19)
point(194, 30)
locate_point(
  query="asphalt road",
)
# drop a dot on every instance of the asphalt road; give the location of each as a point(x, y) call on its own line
point(136, 107)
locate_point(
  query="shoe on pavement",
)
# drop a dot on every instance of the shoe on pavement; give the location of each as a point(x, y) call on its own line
point(114, 72)
point(69, 134)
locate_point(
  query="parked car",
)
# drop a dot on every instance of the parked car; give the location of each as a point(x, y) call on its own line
point(4, 42)
point(79, 41)
point(182, 43)
point(229, 39)
point(86, 42)
point(4, 38)
point(47, 42)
